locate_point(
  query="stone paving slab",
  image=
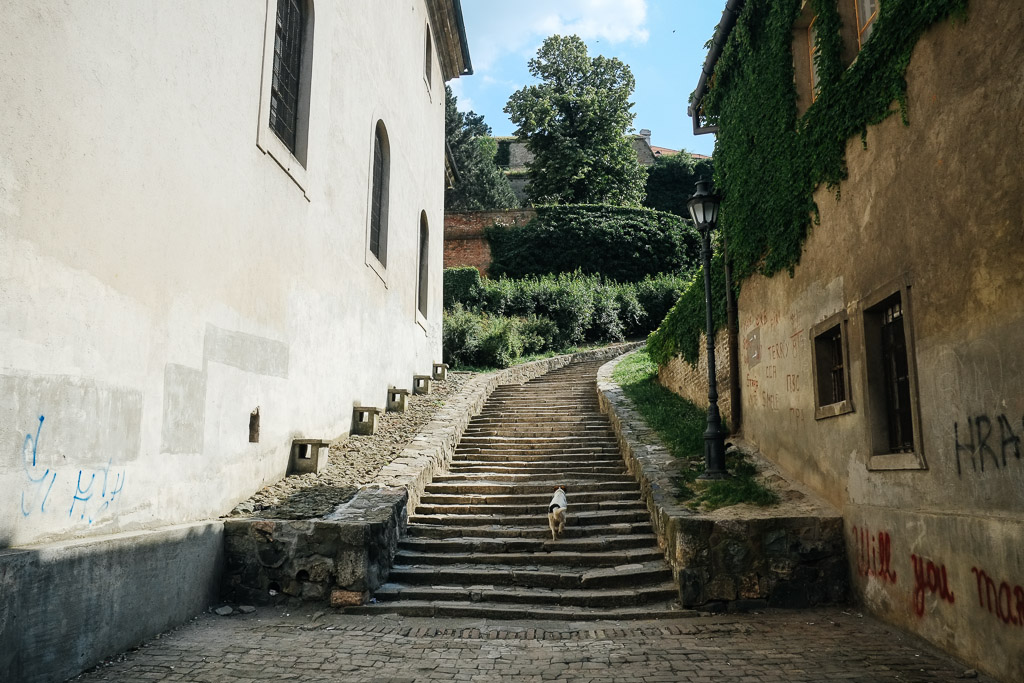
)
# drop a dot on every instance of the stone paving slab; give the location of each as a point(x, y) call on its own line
point(829, 644)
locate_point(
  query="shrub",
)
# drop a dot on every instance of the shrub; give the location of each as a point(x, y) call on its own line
point(461, 285)
point(622, 244)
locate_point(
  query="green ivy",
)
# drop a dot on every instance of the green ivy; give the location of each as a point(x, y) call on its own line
point(680, 331)
point(769, 161)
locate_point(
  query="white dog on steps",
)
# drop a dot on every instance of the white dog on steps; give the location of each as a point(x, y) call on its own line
point(556, 513)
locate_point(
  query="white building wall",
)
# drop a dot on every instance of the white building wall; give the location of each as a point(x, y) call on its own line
point(161, 276)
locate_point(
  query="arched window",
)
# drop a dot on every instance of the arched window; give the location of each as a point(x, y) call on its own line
point(422, 281)
point(428, 59)
point(379, 194)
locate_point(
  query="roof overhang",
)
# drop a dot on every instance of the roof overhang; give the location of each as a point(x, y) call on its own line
point(696, 108)
point(449, 31)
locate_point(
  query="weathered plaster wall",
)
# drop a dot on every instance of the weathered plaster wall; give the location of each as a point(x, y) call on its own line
point(938, 205)
point(161, 277)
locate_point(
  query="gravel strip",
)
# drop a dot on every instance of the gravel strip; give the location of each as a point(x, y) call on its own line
point(353, 461)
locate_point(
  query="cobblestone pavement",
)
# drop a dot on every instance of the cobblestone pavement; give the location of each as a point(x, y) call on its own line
point(771, 647)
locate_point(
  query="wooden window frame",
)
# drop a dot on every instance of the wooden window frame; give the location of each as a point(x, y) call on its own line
point(824, 410)
point(862, 26)
point(880, 457)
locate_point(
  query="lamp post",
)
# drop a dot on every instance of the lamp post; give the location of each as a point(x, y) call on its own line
point(703, 206)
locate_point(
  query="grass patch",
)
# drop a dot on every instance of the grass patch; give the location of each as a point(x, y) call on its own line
point(532, 357)
point(680, 424)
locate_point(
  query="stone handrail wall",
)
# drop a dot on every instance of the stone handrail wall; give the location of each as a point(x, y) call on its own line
point(737, 558)
point(348, 555)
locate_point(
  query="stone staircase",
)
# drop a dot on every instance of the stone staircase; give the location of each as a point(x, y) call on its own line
point(478, 544)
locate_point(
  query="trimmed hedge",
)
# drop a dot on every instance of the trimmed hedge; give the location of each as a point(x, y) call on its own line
point(492, 323)
point(622, 244)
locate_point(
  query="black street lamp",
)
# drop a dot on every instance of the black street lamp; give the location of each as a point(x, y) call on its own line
point(703, 206)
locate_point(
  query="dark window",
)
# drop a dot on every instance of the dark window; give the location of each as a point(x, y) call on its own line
point(897, 377)
point(428, 58)
point(421, 297)
point(379, 194)
point(284, 90)
point(831, 368)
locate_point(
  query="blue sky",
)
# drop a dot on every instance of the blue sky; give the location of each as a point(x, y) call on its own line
point(661, 40)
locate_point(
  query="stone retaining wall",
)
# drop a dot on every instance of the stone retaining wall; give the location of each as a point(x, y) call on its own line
point(691, 381)
point(348, 555)
point(740, 557)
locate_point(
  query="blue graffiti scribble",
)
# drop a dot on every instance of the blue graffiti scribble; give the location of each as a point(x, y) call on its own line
point(84, 495)
point(38, 481)
point(41, 484)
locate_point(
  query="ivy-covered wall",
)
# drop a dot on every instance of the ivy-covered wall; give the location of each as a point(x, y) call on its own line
point(902, 178)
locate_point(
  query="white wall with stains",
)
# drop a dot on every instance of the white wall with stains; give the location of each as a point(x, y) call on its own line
point(161, 276)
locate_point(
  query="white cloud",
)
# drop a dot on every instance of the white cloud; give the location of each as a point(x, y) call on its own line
point(500, 28)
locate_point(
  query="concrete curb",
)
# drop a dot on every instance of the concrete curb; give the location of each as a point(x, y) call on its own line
point(738, 558)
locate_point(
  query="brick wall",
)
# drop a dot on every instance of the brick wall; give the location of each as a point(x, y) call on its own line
point(692, 382)
point(464, 241)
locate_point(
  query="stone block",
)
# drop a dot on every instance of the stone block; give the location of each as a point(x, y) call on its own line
point(421, 384)
point(440, 372)
point(341, 598)
point(364, 420)
point(308, 456)
point(397, 399)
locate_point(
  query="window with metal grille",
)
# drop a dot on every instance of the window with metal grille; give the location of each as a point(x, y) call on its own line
point(421, 293)
point(897, 377)
point(284, 89)
point(378, 196)
point(831, 367)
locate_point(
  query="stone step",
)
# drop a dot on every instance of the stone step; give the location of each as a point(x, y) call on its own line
point(552, 558)
point(527, 431)
point(484, 478)
point(601, 517)
point(539, 451)
point(534, 531)
point(573, 597)
point(575, 507)
point(469, 544)
point(562, 577)
point(575, 498)
point(574, 469)
point(605, 456)
point(498, 612)
point(526, 488)
point(524, 441)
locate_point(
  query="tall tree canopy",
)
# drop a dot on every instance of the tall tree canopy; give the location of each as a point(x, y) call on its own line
point(575, 123)
point(672, 181)
point(481, 185)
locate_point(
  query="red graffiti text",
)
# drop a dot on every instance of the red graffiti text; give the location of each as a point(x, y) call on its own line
point(931, 579)
point(1004, 600)
point(874, 554)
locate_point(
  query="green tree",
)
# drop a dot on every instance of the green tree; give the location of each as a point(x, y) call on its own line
point(575, 123)
point(481, 185)
point(673, 179)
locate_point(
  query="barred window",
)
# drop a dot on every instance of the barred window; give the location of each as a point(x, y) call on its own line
point(421, 283)
point(284, 90)
point(428, 59)
point(379, 195)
